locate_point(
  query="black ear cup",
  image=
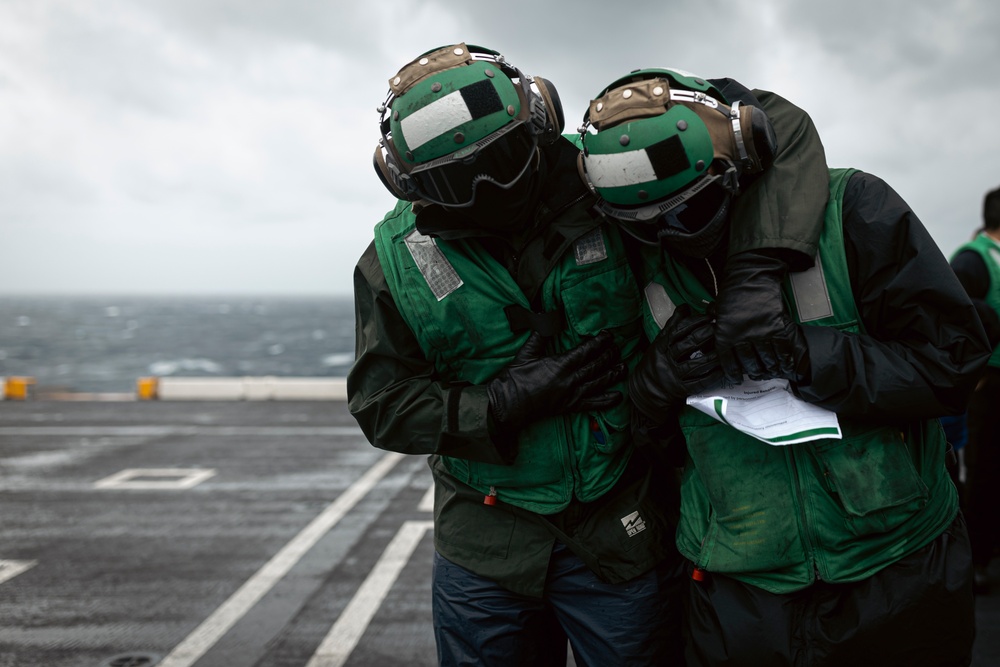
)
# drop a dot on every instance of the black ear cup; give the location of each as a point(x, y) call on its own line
point(555, 119)
point(389, 174)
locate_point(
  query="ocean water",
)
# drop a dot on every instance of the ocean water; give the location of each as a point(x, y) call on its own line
point(104, 344)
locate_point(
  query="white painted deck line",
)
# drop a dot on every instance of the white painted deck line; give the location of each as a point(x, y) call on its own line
point(427, 502)
point(11, 568)
point(232, 610)
point(170, 479)
point(345, 634)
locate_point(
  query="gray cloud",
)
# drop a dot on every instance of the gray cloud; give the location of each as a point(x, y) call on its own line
point(225, 145)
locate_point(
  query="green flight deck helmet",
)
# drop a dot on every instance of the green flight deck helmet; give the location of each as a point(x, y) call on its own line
point(664, 151)
point(459, 116)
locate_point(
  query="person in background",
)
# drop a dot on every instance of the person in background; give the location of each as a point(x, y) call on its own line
point(497, 316)
point(845, 549)
point(977, 265)
point(956, 432)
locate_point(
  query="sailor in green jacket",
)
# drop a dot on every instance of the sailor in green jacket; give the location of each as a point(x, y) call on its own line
point(977, 265)
point(497, 315)
point(847, 548)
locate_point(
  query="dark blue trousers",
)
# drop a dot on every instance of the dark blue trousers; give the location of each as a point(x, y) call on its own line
point(477, 622)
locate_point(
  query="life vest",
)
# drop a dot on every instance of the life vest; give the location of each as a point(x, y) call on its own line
point(470, 319)
point(837, 510)
point(989, 250)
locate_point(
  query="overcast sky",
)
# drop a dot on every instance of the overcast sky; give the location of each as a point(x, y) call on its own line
point(224, 146)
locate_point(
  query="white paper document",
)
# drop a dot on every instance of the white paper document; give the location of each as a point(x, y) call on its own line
point(768, 411)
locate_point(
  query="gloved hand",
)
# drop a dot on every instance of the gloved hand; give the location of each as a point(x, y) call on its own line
point(681, 361)
point(533, 385)
point(754, 334)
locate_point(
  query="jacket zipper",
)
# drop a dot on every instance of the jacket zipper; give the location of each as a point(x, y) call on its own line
point(803, 518)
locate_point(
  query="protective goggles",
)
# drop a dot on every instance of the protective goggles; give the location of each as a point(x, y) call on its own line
point(696, 228)
point(699, 209)
point(502, 159)
point(651, 212)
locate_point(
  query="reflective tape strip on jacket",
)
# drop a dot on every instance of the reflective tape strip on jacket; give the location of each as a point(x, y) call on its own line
point(989, 250)
point(781, 517)
point(452, 295)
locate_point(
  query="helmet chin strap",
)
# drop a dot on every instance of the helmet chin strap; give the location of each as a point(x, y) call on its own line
point(731, 177)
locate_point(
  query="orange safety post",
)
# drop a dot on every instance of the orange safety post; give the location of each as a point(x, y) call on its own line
point(18, 388)
point(147, 388)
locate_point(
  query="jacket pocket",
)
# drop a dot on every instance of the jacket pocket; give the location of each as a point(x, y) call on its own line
point(541, 461)
point(608, 301)
point(466, 530)
point(607, 431)
point(738, 508)
point(873, 476)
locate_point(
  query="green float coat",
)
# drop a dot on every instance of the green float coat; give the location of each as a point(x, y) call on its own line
point(836, 510)
point(452, 295)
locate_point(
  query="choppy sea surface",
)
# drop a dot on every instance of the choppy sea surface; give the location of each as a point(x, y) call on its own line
point(104, 344)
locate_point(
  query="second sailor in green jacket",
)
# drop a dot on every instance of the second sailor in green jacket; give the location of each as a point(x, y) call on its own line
point(839, 550)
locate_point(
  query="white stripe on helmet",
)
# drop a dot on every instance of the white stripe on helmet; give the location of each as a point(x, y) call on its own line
point(615, 170)
point(434, 120)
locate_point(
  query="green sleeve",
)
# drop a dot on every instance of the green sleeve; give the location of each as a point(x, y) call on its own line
point(784, 207)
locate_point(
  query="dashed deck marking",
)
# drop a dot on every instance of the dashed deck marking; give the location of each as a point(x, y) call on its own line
point(345, 634)
point(155, 478)
point(11, 568)
point(215, 626)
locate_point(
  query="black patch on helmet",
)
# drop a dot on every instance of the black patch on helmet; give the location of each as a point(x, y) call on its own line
point(481, 98)
point(668, 157)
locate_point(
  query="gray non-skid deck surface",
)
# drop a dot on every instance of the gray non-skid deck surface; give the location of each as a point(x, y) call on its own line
point(220, 533)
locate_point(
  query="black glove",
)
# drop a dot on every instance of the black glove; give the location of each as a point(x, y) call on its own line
point(680, 362)
point(754, 333)
point(534, 386)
